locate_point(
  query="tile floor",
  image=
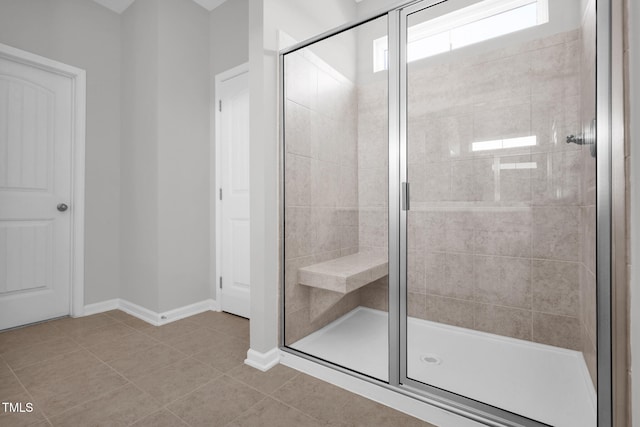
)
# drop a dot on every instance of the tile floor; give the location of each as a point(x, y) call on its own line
point(113, 369)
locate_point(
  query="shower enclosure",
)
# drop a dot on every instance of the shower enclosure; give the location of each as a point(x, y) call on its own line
point(440, 189)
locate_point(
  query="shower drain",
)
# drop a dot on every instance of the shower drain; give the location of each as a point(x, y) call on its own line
point(431, 359)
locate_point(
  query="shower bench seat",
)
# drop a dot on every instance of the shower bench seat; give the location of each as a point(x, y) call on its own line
point(345, 274)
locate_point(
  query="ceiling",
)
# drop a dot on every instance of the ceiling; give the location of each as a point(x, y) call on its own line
point(120, 6)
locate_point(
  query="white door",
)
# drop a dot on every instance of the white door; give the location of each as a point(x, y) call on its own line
point(36, 128)
point(234, 191)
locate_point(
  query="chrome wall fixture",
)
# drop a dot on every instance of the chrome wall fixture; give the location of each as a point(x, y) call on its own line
point(587, 138)
point(598, 134)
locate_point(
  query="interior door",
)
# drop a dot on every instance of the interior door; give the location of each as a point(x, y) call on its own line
point(234, 193)
point(35, 189)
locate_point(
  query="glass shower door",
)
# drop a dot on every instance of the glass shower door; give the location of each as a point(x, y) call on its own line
point(335, 189)
point(499, 283)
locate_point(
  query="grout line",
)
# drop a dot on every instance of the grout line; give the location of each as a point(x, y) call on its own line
point(182, 396)
point(28, 394)
point(90, 400)
point(175, 415)
point(247, 410)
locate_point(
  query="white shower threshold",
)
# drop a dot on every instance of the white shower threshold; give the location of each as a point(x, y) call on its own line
point(548, 384)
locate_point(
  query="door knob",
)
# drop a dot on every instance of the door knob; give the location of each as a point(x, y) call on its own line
point(62, 207)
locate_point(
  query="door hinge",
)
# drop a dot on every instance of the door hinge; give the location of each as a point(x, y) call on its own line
point(221, 194)
point(220, 282)
point(220, 105)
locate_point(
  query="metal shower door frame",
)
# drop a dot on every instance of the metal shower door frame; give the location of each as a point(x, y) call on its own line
point(398, 380)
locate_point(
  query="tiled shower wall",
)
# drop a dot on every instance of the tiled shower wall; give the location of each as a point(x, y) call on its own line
point(373, 181)
point(500, 241)
point(588, 205)
point(495, 236)
point(321, 186)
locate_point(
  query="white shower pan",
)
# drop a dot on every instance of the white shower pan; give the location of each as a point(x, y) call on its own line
point(541, 382)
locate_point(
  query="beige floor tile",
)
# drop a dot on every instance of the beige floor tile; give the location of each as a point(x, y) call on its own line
point(332, 404)
point(224, 355)
point(232, 325)
point(120, 407)
point(28, 336)
point(266, 382)
point(69, 325)
point(19, 419)
point(10, 389)
point(161, 418)
point(127, 319)
point(119, 315)
point(138, 364)
point(25, 356)
point(63, 395)
point(122, 346)
point(135, 323)
point(216, 404)
point(175, 380)
point(269, 413)
point(102, 334)
point(172, 331)
point(5, 371)
point(53, 370)
point(197, 341)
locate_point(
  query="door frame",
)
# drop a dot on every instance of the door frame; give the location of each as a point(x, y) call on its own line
point(215, 270)
point(78, 79)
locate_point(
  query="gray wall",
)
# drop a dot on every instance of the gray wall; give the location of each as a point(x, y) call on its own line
point(83, 34)
point(139, 155)
point(183, 154)
point(165, 152)
point(228, 35)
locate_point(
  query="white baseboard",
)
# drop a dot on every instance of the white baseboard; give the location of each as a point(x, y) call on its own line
point(149, 316)
point(263, 361)
point(400, 402)
point(101, 307)
point(186, 311)
point(140, 312)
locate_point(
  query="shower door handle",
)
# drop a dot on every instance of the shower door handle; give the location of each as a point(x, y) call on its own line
point(406, 205)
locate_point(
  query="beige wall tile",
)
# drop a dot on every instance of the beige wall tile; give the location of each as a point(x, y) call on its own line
point(449, 311)
point(560, 331)
point(504, 232)
point(297, 132)
point(296, 295)
point(298, 180)
point(375, 295)
point(450, 275)
point(299, 233)
point(506, 321)
point(372, 187)
point(502, 119)
point(503, 281)
point(556, 233)
point(556, 287)
point(416, 272)
point(460, 226)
